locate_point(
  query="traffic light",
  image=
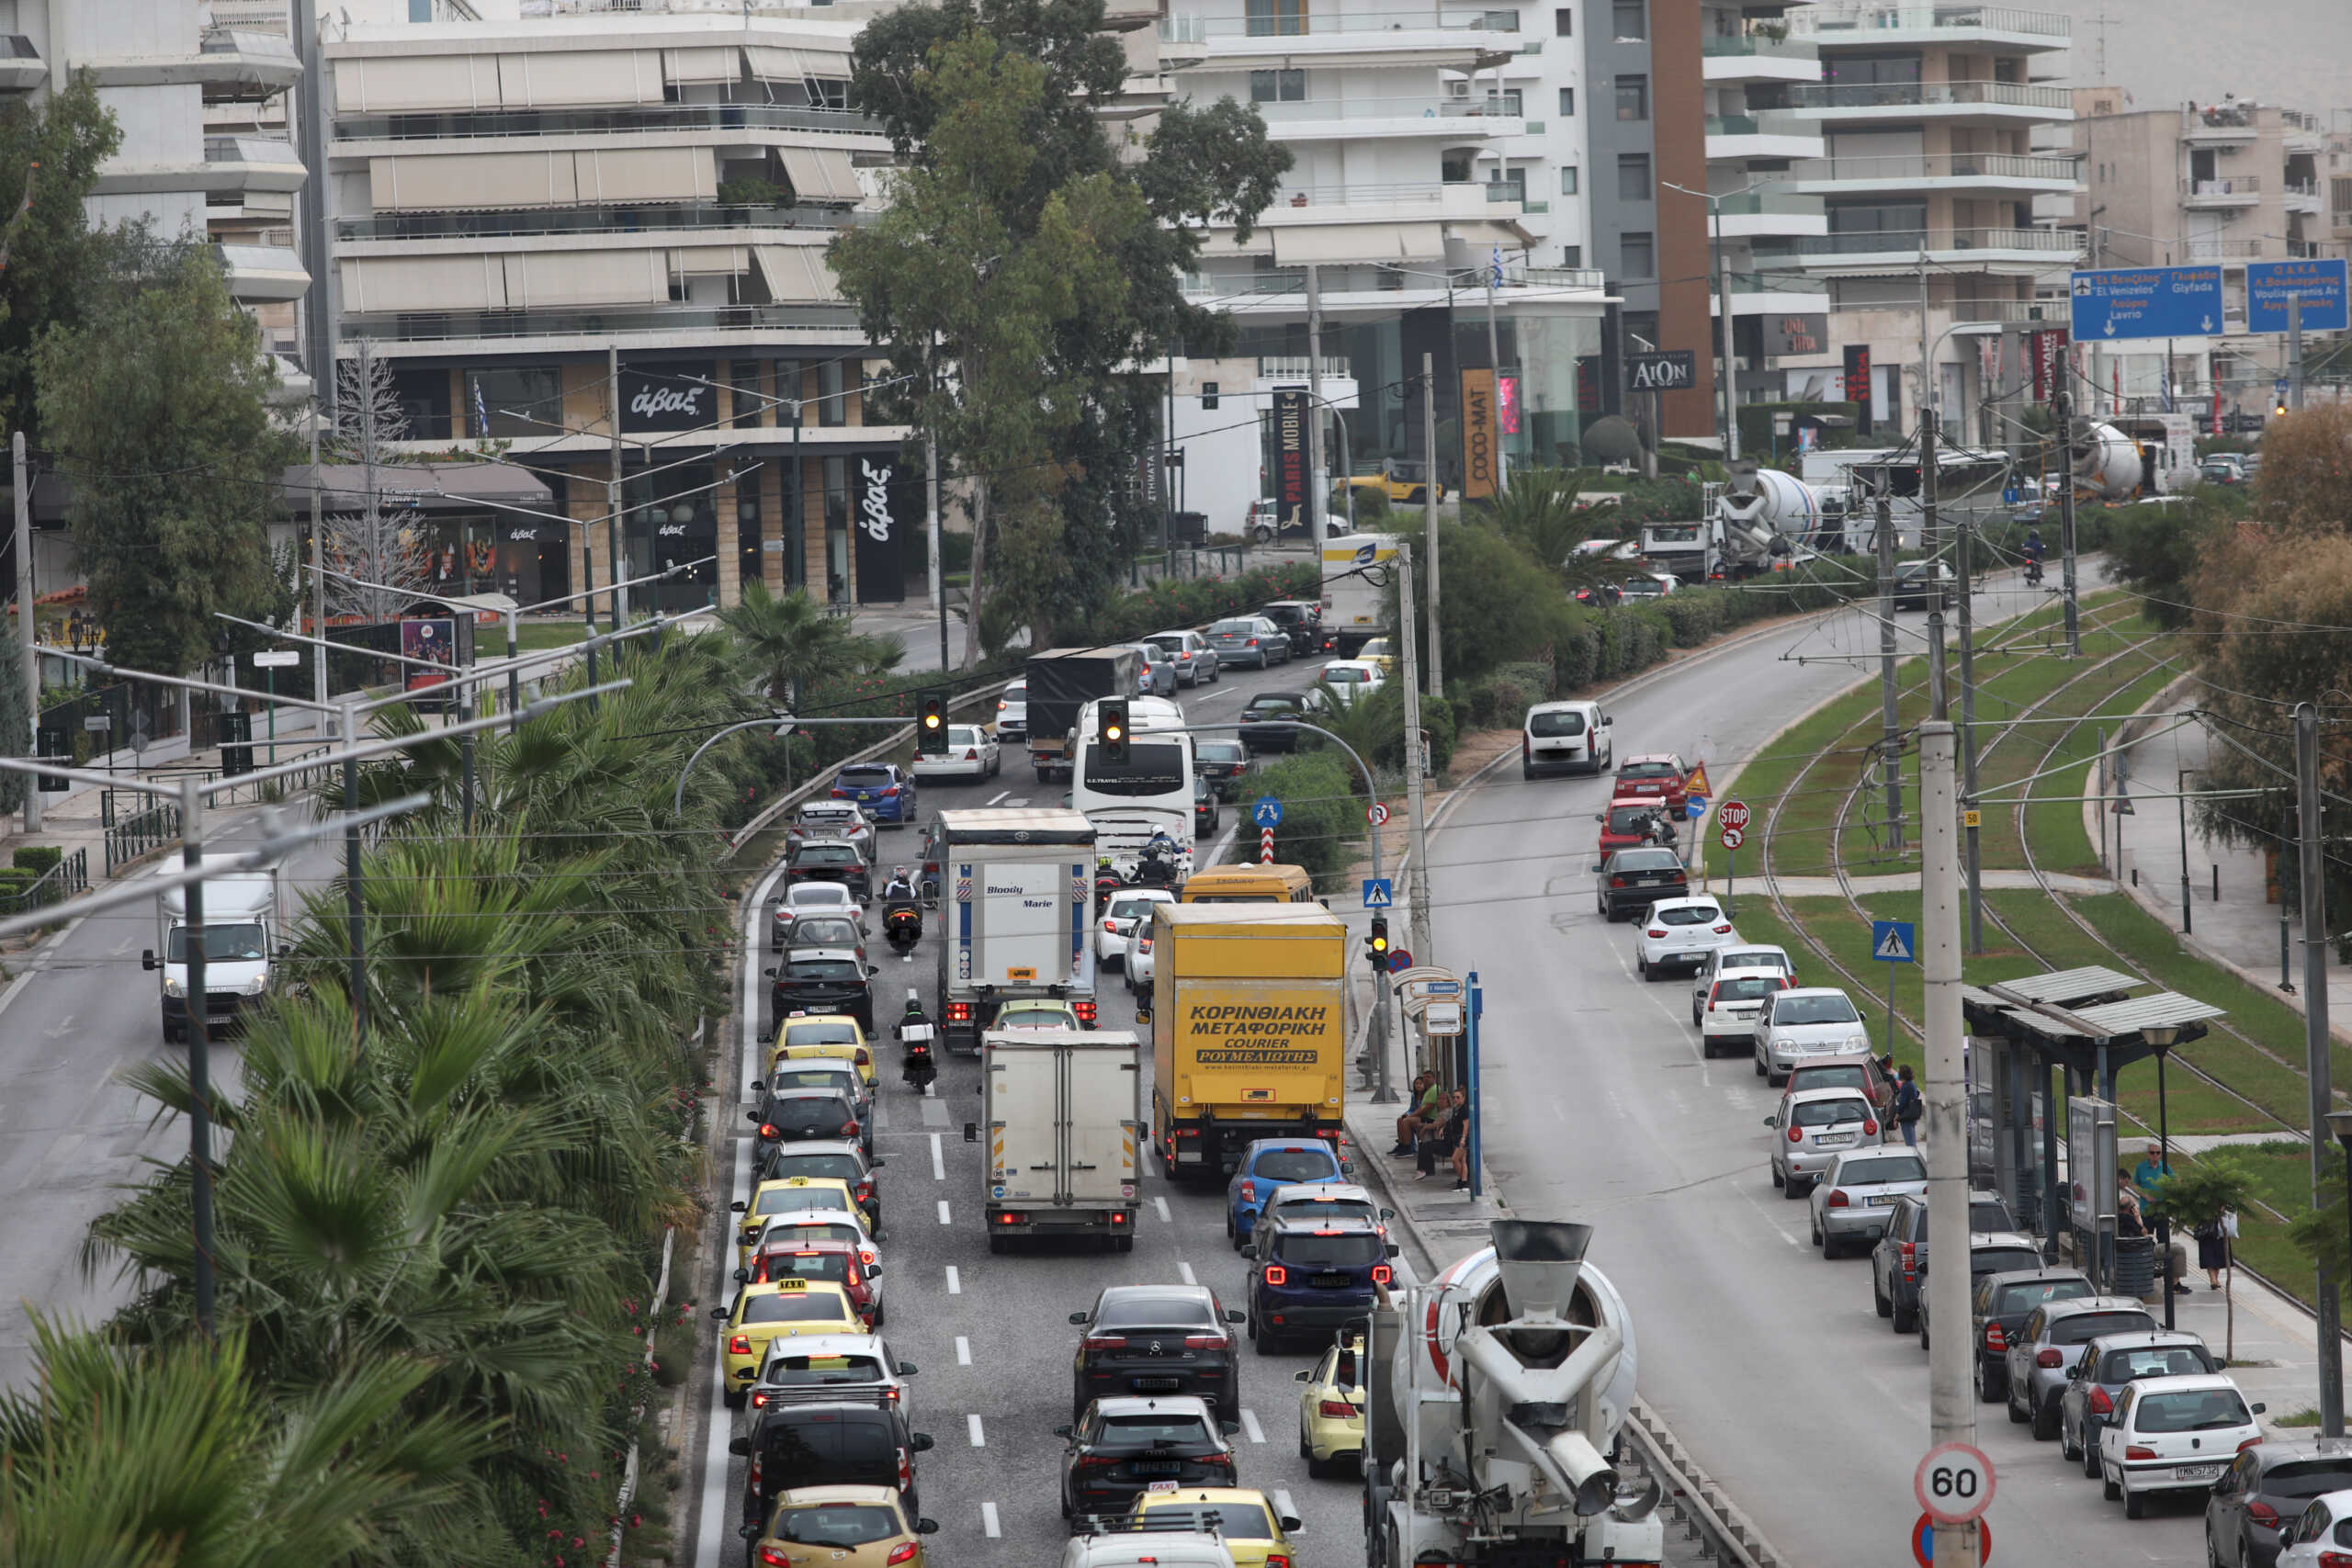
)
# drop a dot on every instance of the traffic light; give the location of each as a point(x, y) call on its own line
point(1375, 946)
point(1114, 732)
point(931, 727)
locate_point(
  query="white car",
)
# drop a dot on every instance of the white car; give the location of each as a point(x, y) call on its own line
point(1811, 1020)
point(1679, 934)
point(1746, 956)
point(1728, 1009)
point(1195, 660)
point(1128, 911)
point(825, 898)
point(971, 753)
point(1013, 712)
point(1851, 1205)
point(1100, 1546)
point(1352, 679)
point(2173, 1434)
point(2310, 1537)
point(822, 1369)
point(834, 819)
point(1138, 964)
point(1812, 1130)
point(1565, 735)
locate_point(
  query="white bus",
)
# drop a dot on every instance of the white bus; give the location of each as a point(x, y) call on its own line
point(1151, 792)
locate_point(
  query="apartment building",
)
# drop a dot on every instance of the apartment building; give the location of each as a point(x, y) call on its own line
point(1928, 180)
point(1403, 195)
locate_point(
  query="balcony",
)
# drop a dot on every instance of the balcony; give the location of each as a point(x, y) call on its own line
point(1981, 102)
point(1349, 118)
point(1735, 138)
point(240, 64)
point(1881, 26)
point(1293, 36)
point(676, 321)
point(1757, 57)
point(2224, 250)
point(263, 272)
point(2236, 193)
point(1771, 295)
point(1947, 249)
point(589, 220)
point(1761, 213)
point(651, 118)
point(21, 66)
point(2303, 198)
point(251, 162)
point(1909, 172)
point(2220, 125)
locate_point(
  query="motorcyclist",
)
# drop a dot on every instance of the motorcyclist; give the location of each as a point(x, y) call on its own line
point(900, 888)
point(1658, 829)
point(920, 1066)
point(1158, 861)
point(2033, 549)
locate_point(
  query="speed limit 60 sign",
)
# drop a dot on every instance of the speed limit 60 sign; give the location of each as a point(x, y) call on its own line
point(1954, 1483)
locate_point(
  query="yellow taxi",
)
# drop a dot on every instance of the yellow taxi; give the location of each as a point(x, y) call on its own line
point(840, 1526)
point(1330, 1408)
point(782, 1309)
point(1244, 1518)
point(786, 1195)
point(1382, 651)
point(831, 1035)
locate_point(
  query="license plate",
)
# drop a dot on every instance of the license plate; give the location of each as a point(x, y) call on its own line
point(1329, 1282)
point(2196, 1471)
point(1828, 1140)
point(1158, 1467)
point(1879, 1202)
point(1156, 1385)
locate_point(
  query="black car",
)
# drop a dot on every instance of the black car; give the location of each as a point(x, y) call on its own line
point(808, 1115)
point(1900, 1258)
point(2269, 1486)
point(1222, 762)
point(1309, 1278)
point(824, 979)
point(1999, 1301)
point(827, 1445)
point(1925, 585)
point(1124, 1444)
point(1629, 881)
point(1204, 806)
point(1157, 1339)
point(1268, 706)
point(831, 860)
point(1301, 623)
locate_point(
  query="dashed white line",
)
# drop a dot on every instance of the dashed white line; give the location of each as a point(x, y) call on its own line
point(1186, 1269)
point(1250, 1425)
point(938, 1160)
point(1283, 1506)
point(978, 1440)
point(963, 1351)
point(943, 1213)
point(1161, 1204)
point(954, 1281)
point(987, 1521)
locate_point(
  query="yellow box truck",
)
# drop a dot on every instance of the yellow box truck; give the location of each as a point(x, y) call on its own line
point(1248, 1030)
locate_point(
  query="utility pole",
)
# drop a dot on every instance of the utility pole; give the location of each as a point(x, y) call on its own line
point(200, 1052)
point(1927, 370)
point(1964, 568)
point(28, 638)
point(2295, 351)
point(1891, 740)
point(614, 606)
point(931, 521)
point(1731, 361)
point(1424, 951)
point(1952, 1404)
point(1428, 528)
point(2309, 830)
point(1318, 478)
point(318, 562)
point(1495, 359)
point(354, 909)
point(2066, 524)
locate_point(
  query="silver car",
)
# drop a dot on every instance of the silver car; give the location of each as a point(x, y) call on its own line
point(832, 1369)
point(1814, 1130)
point(1248, 640)
point(1195, 660)
point(2043, 1354)
point(1812, 1020)
point(1852, 1204)
point(1743, 955)
point(2110, 1364)
point(1157, 678)
point(1727, 1010)
point(1013, 712)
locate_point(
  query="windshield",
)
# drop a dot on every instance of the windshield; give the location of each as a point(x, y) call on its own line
point(1313, 1249)
point(1278, 702)
point(1875, 1172)
point(1234, 1521)
point(795, 1306)
point(1630, 818)
point(2306, 1478)
point(1646, 860)
point(834, 1167)
point(1132, 909)
point(1170, 646)
point(1155, 1311)
point(1542, 724)
point(1649, 771)
point(1752, 958)
point(825, 1265)
point(819, 1371)
point(812, 1078)
point(828, 933)
point(1989, 1214)
point(2084, 1328)
point(804, 1113)
point(1814, 1010)
point(1149, 770)
point(817, 1229)
point(1829, 1112)
point(2019, 1299)
point(829, 894)
point(1322, 1208)
point(1691, 915)
point(864, 776)
point(1850, 1076)
point(1233, 628)
point(828, 1032)
point(1756, 986)
point(1294, 1165)
point(1220, 752)
point(824, 969)
point(1338, 677)
point(827, 852)
point(1152, 1431)
point(223, 944)
point(791, 1200)
point(839, 1524)
point(2203, 1410)
point(2156, 1362)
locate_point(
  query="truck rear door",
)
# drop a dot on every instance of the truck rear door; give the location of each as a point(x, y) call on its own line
point(1026, 1107)
point(1024, 916)
point(1101, 1084)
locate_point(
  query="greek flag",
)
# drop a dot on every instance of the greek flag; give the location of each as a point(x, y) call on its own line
point(2164, 385)
point(1497, 265)
point(481, 415)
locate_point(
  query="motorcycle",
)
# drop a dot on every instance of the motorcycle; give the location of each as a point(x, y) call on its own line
point(1153, 870)
point(920, 1066)
point(902, 924)
point(2033, 572)
point(1106, 885)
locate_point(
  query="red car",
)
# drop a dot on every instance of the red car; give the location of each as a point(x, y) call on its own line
point(1657, 776)
point(790, 1256)
point(1621, 826)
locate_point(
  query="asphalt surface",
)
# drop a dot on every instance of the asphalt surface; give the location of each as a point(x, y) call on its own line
point(1770, 1362)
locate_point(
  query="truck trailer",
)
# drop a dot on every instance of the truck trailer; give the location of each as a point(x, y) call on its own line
point(1063, 1113)
point(1061, 682)
point(1018, 885)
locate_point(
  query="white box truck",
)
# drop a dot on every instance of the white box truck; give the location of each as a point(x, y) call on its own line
point(1017, 905)
point(1355, 605)
point(241, 944)
point(1064, 1113)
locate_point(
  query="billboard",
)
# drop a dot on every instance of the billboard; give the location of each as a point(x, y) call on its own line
point(427, 637)
point(881, 553)
point(1291, 479)
point(1858, 386)
point(1479, 434)
point(1796, 331)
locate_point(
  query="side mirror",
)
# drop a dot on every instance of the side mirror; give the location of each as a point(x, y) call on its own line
point(1387, 1214)
point(765, 1036)
point(718, 1312)
point(1773, 1121)
point(739, 1446)
point(737, 1207)
point(1233, 1317)
point(1292, 1525)
point(769, 971)
point(749, 1532)
point(1248, 1250)
point(905, 1368)
point(2257, 1407)
point(751, 1116)
point(1303, 1375)
point(971, 1132)
point(872, 970)
point(1228, 1428)
point(926, 1526)
point(1598, 816)
point(147, 959)
point(874, 1271)
point(1395, 1250)
point(876, 1164)
point(742, 1276)
point(1062, 1431)
point(2220, 1363)
point(754, 1085)
point(1078, 1318)
point(919, 1443)
point(285, 950)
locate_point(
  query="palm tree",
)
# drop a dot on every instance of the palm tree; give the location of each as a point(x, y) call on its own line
point(793, 646)
point(1538, 510)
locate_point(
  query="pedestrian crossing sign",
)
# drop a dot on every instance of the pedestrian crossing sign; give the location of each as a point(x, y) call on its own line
point(1892, 942)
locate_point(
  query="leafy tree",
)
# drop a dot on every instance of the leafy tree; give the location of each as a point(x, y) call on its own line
point(2155, 550)
point(2305, 482)
point(157, 406)
point(1498, 604)
point(790, 645)
point(54, 258)
point(2203, 1192)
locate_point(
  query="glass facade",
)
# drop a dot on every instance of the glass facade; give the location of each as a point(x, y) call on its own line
point(836, 530)
point(671, 517)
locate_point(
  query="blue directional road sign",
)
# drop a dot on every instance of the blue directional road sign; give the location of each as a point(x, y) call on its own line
point(2320, 283)
point(1378, 893)
point(2147, 301)
point(1695, 807)
point(1894, 941)
point(1266, 811)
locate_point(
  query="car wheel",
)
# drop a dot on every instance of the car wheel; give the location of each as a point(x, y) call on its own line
point(1262, 1341)
point(732, 1397)
point(1775, 1079)
point(1641, 965)
point(1814, 1225)
point(1791, 1190)
point(2107, 1486)
point(2009, 1407)
point(1759, 1066)
point(1984, 1388)
point(2135, 1505)
point(1878, 1297)
point(1904, 1319)
point(2090, 1469)
point(1775, 1171)
point(2045, 1423)
point(2069, 1449)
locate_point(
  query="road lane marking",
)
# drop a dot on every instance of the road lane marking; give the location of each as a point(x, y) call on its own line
point(963, 1351)
point(999, 798)
point(1250, 1425)
point(1186, 1271)
point(938, 1160)
point(1161, 1204)
point(987, 1521)
point(1283, 1505)
point(943, 1213)
point(978, 1440)
point(954, 1281)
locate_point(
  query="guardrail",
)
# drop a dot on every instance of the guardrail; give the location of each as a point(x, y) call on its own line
point(140, 834)
point(70, 875)
point(1706, 1515)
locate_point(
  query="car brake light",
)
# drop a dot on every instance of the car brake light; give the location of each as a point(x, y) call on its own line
point(773, 1557)
point(1723, 930)
point(1085, 1011)
point(1910, 1261)
point(1654, 933)
point(865, 1189)
point(1205, 1342)
point(841, 795)
point(1616, 882)
point(1106, 1342)
point(1277, 1560)
point(891, 790)
point(1112, 926)
point(2250, 1442)
point(902, 1553)
point(2048, 1359)
point(849, 1128)
point(2102, 1405)
point(1251, 643)
point(1714, 993)
point(1870, 1128)
point(1382, 1273)
point(862, 1057)
point(1995, 1336)
point(1796, 1135)
point(865, 1256)
point(759, 1399)
point(2136, 1450)
point(2262, 1513)
point(1249, 1191)
point(1338, 1407)
point(1837, 1200)
point(1096, 1461)
point(2335, 1560)
point(906, 1470)
point(1277, 1275)
point(1144, 943)
point(739, 1345)
point(767, 1128)
point(971, 754)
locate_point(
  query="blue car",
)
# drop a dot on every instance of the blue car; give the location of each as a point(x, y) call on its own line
point(885, 790)
point(1310, 1279)
point(1269, 1163)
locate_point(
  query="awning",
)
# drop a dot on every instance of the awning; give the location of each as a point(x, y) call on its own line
point(1329, 245)
point(707, 261)
point(424, 486)
point(701, 66)
point(771, 64)
point(797, 274)
point(1485, 231)
point(821, 174)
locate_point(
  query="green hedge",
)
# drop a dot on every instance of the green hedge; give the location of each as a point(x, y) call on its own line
point(39, 859)
point(1322, 817)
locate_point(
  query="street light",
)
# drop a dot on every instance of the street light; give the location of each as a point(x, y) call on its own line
point(2160, 1038)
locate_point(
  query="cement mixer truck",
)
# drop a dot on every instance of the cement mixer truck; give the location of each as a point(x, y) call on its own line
point(2106, 464)
point(1493, 1401)
point(1759, 520)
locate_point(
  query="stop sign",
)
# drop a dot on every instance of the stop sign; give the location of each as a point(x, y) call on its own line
point(1731, 813)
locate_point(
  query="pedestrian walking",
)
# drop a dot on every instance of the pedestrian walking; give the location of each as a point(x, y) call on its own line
point(1909, 1106)
point(2213, 1249)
